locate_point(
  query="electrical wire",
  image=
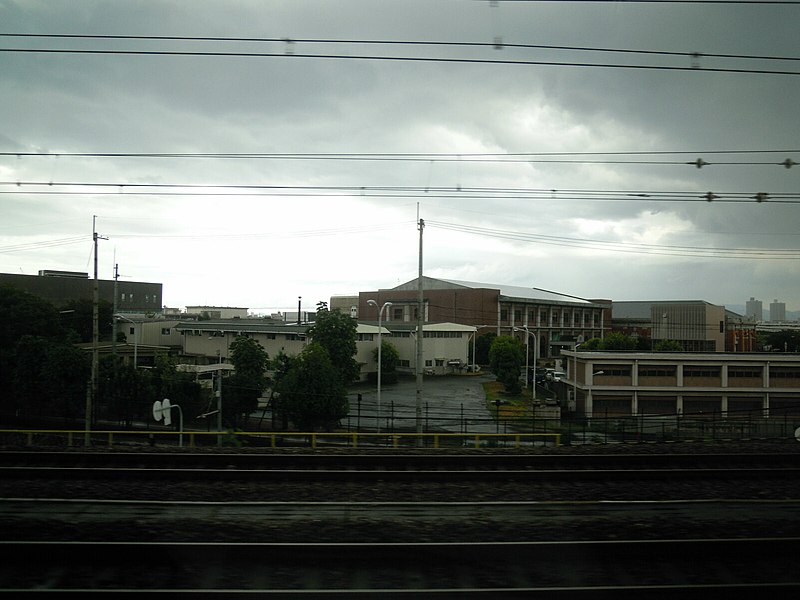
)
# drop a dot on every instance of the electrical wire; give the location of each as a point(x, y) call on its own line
point(527, 157)
point(625, 247)
point(457, 192)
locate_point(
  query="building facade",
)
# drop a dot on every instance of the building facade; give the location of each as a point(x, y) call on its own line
point(697, 325)
point(61, 287)
point(554, 321)
point(703, 384)
point(777, 311)
point(754, 309)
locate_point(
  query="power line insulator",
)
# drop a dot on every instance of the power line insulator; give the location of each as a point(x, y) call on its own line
point(699, 163)
point(710, 196)
point(761, 196)
point(788, 163)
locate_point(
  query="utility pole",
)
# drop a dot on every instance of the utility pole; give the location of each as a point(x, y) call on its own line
point(420, 323)
point(91, 394)
point(114, 318)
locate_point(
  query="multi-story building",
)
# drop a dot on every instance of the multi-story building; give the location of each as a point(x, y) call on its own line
point(754, 309)
point(697, 325)
point(702, 384)
point(555, 321)
point(61, 287)
point(777, 311)
point(446, 346)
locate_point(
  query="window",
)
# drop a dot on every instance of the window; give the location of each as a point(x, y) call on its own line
point(397, 314)
point(697, 371)
point(165, 331)
point(428, 363)
point(401, 334)
point(612, 371)
point(517, 316)
point(122, 296)
point(749, 372)
point(270, 336)
point(658, 371)
point(503, 314)
point(784, 372)
point(366, 337)
point(132, 330)
point(439, 362)
point(403, 363)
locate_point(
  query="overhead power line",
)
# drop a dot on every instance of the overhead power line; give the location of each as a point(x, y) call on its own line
point(290, 51)
point(482, 157)
point(625, 247)
point(390, 191)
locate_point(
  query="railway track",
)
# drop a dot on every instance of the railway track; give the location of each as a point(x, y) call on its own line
point(591, 569)
point(734, 531)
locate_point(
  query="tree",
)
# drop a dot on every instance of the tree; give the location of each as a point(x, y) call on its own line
point(311, 393)
point(77, 315)
point(482, 345)
point(668, 346)
point(245, 386)
point(616, 341)
point(506, 356)
point(336, 332)
point(390, 358)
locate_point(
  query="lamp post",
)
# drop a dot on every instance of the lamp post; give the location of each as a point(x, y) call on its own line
point(135, 339)
point(385, 306)
point(535, 348)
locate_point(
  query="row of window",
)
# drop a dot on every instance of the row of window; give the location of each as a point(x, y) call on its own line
point(581, 318)
point(129, 297)
point(689, 371)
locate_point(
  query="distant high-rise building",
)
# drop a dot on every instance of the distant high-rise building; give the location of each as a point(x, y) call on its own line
point(777, 311)
point(755, 310)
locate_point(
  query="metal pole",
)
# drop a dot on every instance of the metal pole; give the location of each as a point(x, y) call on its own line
point(420, 322)
point(379, 369)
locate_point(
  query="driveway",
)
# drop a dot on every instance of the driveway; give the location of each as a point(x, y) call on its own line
point(450, 403)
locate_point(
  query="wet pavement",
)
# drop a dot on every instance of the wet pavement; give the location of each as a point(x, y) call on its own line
point(449, 403)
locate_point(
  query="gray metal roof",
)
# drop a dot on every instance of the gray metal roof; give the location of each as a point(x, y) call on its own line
point(506, 291)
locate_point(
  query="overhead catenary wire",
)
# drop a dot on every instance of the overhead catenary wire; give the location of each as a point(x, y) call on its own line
point(694, 66)
point(397, 191)
point(483, 157)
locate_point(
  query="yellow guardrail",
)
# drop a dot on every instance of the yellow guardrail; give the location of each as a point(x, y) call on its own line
point(352, 439)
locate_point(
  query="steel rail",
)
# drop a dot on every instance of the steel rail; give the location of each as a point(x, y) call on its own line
point(330, 475)
point(383, 461)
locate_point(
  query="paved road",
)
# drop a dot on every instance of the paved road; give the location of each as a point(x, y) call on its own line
point(450, 403)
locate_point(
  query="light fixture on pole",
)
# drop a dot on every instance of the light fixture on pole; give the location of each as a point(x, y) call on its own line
point(535, 346)
point(385, 306)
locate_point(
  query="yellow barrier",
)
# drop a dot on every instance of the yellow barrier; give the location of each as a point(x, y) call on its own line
point(354, 439)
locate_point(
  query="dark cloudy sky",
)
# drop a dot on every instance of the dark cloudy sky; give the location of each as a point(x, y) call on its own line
point(598, 200)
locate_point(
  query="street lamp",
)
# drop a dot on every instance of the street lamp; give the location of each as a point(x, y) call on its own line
point(535, 347)
point(386, 306)
point(135, 339)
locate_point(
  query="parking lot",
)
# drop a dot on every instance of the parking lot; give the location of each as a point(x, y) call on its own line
point(450, 403)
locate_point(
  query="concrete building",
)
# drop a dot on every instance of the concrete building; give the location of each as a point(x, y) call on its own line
point(754, 309)
point(555, 320)
point(717, 385)
point(218, 312)
point(697, 325)
point(61, 287)
point(777, 311)
point(208, 342)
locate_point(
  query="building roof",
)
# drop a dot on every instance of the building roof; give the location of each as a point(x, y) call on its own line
point(507, 292)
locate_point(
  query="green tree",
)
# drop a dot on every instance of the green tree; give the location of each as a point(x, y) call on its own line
point(506, 356)
point(591, 345)
point(336, 332)
point(616, 342)
point(244, 387)
point(77, 315)
point(311, 393)
point(482, 345)
point(668, 346)
point(783, 341)
point(390, 358)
